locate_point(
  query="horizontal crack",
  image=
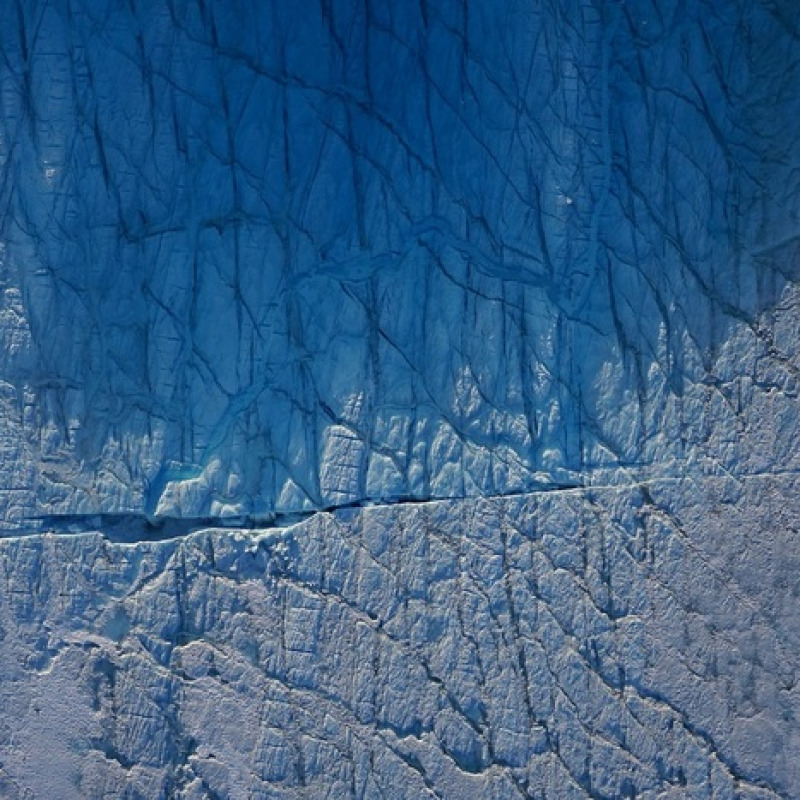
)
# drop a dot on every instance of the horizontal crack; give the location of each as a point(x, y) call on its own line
point(129, 527)
point(132, 527)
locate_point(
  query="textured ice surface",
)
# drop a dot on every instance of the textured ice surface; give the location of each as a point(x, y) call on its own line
point(262, 258)
point(296, 254)
point(603, 643)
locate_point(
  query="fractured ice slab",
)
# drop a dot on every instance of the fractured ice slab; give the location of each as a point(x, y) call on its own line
point(349, 251)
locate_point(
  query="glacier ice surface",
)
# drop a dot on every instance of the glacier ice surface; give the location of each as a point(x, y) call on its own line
point(526, 272)
point(429, 250)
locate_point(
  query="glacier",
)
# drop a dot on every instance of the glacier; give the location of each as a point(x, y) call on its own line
point(399, 399)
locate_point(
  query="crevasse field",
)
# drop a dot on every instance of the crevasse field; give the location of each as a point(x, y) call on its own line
point(399, 399)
